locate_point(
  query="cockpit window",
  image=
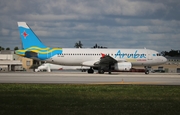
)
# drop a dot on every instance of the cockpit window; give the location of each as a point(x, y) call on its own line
point(158, 54)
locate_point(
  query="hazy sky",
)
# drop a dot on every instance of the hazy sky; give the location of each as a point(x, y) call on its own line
point(154, 24)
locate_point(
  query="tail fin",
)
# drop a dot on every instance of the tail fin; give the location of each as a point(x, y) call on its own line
point(32, 46)
point(28, 37)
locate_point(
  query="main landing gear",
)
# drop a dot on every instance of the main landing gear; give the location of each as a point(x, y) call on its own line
point(146, 70)
point(101, 70)
point(90, 70)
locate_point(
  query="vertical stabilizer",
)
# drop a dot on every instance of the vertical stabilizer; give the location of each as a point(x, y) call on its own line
point(28, 37)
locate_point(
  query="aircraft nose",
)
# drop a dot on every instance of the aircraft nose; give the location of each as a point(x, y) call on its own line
point(164, 59)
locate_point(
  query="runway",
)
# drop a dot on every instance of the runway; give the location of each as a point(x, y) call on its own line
point(84, 78)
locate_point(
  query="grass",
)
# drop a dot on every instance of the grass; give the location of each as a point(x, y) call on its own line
point(58, 99)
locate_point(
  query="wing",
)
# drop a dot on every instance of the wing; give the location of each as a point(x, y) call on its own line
point(105, 60)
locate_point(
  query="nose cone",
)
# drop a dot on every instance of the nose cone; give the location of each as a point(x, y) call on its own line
point(164, 60)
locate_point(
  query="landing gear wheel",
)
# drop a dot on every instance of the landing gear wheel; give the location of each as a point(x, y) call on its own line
point(101, 71)
point(90, 71)
point(146, 71)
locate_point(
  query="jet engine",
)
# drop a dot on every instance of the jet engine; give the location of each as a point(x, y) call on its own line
point(123, 66)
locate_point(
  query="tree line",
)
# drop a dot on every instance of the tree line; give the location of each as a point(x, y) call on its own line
point(79, 45)
point(2, 48)
point(172, 53)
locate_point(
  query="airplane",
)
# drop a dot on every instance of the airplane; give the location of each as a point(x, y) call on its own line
point(96, 59)
point(48, 67)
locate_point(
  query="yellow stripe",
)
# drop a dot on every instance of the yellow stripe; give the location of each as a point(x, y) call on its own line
point(41, 52)
point(35, 47)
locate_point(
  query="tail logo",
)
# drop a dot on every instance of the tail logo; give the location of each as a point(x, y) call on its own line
point(25, 34)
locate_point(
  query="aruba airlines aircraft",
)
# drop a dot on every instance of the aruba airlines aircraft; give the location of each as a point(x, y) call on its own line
point(100, 59)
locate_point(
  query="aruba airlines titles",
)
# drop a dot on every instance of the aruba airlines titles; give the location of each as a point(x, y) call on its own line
point(100, 59)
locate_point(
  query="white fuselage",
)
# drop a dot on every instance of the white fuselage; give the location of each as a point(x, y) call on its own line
point(78, 57)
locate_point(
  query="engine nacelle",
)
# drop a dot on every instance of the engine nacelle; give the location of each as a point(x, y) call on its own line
point(123, 66)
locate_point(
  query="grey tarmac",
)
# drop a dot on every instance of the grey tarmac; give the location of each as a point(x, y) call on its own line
point(84, 78)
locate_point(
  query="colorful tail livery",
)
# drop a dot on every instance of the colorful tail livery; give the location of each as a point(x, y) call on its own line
point(32, 46)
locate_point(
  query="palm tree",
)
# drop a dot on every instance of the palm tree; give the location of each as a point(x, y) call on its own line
point(2, 48)
point(16, 48)
point(7, 48)
point(78, 44)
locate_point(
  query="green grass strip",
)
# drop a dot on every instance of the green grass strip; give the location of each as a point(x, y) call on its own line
point(65, 99)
